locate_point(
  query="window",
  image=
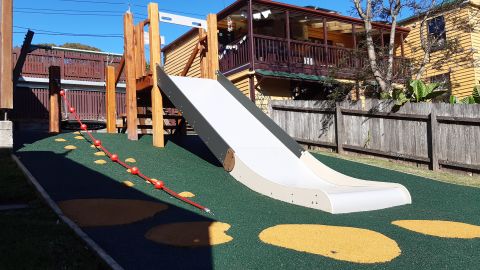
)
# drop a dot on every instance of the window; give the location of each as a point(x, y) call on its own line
point(443, 80)
point(437, 33)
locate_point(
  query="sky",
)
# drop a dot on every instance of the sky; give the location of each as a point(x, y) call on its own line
point(100, 23)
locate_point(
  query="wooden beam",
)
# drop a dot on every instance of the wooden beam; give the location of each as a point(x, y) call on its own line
point(110, 99)
point(202, 35)
point(54, 99)
point(212, 52)
point(157, 102)
point(190, 60)
point(144, 83)
point(131, 96)
point(6, 85)
point(22, 57)
point(120, 68)
point(139, 51)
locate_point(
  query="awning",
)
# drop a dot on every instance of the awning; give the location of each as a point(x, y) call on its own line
point(294, 76)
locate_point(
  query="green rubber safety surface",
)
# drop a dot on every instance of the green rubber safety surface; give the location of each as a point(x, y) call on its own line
point(186, 165)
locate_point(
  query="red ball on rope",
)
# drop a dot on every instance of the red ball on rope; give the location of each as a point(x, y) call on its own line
point(159, 184)
point(83, 127)
point(114, 157)
point(62, 93)
point(97, 143)
point(134, 170)
point(71, 110)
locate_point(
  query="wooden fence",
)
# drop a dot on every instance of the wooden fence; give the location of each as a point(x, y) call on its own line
point(73, 65)
point(32, 104)
point(440, 134)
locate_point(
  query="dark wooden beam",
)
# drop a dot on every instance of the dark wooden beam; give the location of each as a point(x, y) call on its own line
point(119, 69)
point(144, 83)
point(251, 49)
point(190, 60)
point(22, 57)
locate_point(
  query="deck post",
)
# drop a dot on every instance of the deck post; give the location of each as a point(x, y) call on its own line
point(54, 99)
point(402, 48)
point(325, 43)
point(212, 51)
point(110, 99)
point(287, 34)
point(131, 95)
point(157, 102)
point(251, 49)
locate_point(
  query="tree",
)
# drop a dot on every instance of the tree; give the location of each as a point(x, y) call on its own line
point(80, 46)
point(71, 46)
point(388, 11)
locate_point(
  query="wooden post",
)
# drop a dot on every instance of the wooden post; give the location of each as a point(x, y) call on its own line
point(432, 145)
point(339, 130)
point(110, 99)
point(212, 52)
point(139, 51)
point(157, 102)
point(325, 42)
point(354, 36)
point(203, 60)
point(402, 45)
point(6, 85)
point(287, 35)
point(54, 99)
point(131, 95)
point(251, 49)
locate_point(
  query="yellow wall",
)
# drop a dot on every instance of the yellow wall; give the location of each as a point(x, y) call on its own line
point(475, 15)
point(462, 73)
point(176, 58)
point(271, 89)
point(242, 81)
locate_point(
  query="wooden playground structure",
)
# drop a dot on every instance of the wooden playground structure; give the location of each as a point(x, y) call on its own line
point(141, 80)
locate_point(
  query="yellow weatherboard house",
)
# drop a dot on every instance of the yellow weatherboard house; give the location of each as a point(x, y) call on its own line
point(454, 53)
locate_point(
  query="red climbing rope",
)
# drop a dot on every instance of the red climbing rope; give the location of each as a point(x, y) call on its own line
point(133, 170)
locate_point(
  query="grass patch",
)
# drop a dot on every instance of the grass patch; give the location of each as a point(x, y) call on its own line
point(34, 238)
point(441, 176)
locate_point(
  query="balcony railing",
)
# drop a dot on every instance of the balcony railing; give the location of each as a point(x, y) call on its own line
point(278, 54)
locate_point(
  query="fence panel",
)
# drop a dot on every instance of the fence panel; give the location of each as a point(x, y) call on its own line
point(375, 127)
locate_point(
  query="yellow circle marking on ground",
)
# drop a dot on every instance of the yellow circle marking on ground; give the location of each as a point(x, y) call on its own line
point(130, 160)
point(339, 243)
point(60, 140)
point(100, 162)
point(128, 183)
point(190, 234)
point(186, 194)
point(93, 146)
point(70, 147)
point(79, 137)
point(101, 154)
point(108, 212)
point(441, 228)
point(77, 132)
point(129, 171)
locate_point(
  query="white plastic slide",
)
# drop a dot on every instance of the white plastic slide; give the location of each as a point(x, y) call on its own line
point(265, 164)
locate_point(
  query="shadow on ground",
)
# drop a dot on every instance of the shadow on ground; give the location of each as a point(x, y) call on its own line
point(65, 179)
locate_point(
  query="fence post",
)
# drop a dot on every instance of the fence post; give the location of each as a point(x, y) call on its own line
point(54, 98)
point(339, 130)
point(432, 144)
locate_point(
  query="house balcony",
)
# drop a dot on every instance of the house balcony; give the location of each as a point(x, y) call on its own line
point(260, 34)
